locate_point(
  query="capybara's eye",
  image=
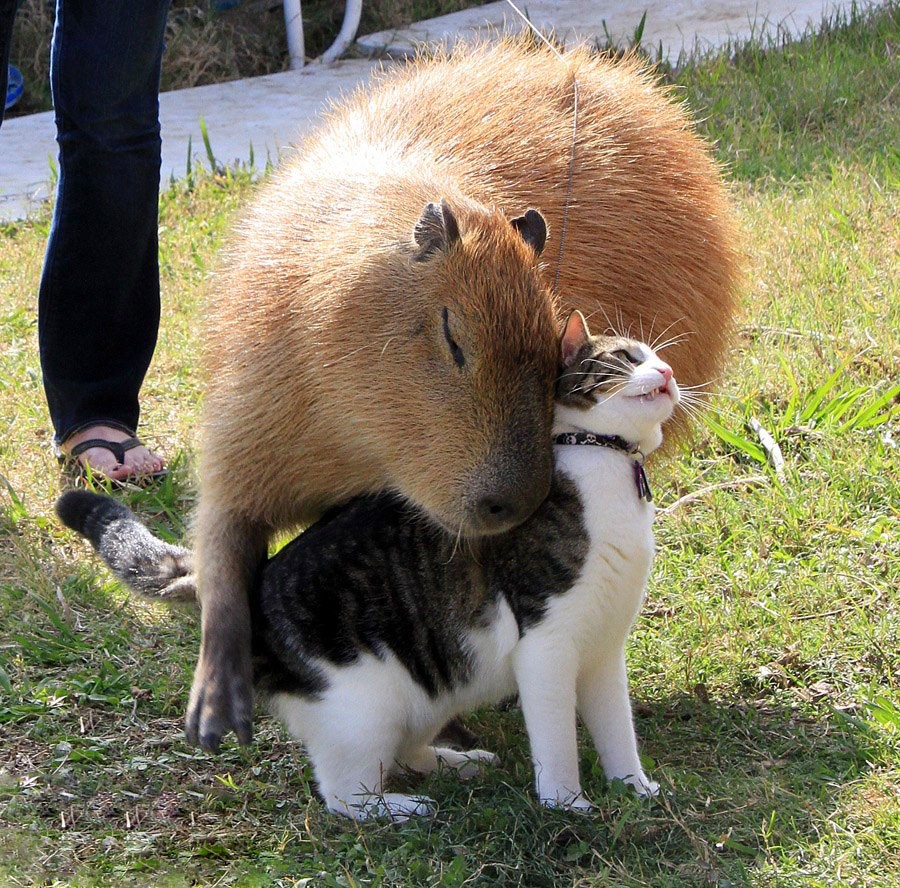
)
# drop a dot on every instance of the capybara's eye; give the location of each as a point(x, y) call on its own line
point(458, 357)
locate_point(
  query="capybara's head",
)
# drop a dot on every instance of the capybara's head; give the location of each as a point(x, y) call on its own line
point(462, 387)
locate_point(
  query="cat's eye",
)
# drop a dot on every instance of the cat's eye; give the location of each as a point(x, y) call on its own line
point(626, 356)
point(458, 357)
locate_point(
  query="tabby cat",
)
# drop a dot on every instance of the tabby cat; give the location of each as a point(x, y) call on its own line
point(374, 627)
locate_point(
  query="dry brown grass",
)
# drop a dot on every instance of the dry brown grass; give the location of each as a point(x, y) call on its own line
point(206, 46)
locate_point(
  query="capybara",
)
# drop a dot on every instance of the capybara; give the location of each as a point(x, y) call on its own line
point(382, 321)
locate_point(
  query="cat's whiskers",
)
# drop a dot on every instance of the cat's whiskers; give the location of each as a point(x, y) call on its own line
point(615, 383)
point(616, 368)
point(697, 386)
point(691, 408)
point(610, 328)
point(615, 390)
point(674, 340)
point(654, 344)
point(620, 322)
point(609, 365)
point(652, 325)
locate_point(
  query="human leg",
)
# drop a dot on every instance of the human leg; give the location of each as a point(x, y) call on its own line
point(99, 297)
point(7, 15)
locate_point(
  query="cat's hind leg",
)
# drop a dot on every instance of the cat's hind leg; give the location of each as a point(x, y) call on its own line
point(605, 707)
point(351, 757)
point(351, 779)
point(424, 759)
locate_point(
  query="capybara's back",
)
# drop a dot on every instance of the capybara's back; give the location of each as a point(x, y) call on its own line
point(651, 245)
point(382, 321)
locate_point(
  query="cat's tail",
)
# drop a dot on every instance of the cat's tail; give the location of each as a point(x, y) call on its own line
point(143, 562)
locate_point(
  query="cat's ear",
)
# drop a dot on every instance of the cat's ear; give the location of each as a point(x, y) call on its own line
point(533, 229)
point(436, 231)
point(574, 337)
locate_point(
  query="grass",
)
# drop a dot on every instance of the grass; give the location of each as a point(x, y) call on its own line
point(765, 666)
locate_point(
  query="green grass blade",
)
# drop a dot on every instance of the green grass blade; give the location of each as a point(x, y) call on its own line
point(639, 30)
point(204, 132)
point(794, 400)
point(839, 405)
point(811, 407)
point(754, 451)
point(870, 416)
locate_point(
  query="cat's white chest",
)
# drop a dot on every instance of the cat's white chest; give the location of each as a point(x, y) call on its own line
point(619, 523)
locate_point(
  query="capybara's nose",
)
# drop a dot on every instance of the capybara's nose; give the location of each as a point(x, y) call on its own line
point(501, 511)
point(493, 510)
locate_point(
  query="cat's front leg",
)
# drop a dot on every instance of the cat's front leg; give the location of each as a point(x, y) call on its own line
point(605, 707)
point(545, 677)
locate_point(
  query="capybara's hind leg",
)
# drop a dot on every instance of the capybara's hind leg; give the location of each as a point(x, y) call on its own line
point(229, 550)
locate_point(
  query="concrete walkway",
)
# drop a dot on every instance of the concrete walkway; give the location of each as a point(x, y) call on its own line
point(265, 115)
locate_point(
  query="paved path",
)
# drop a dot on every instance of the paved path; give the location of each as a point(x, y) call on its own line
point(266, 114)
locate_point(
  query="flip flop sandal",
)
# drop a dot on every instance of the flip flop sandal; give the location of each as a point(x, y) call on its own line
point(117, 448)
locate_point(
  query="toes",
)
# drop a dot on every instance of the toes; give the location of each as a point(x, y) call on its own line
point(217, 707)
point(100, 461)
point(192, 719)
point(140, 461)
point(243, 728)
point(484, 756)
point(568, 801)
point(399, 807)
point(476, 759)
point(211, 739)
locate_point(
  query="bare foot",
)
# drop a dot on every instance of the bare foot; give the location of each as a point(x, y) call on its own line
point(138, 461)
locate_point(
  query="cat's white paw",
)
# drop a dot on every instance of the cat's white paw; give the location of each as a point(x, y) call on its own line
point(568, 801)
point(467, 764)
point(393, 805)
point(401, 807)
point(476, 758)
point(642, 785)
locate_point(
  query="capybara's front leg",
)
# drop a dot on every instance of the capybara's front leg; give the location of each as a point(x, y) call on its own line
point(229, 550)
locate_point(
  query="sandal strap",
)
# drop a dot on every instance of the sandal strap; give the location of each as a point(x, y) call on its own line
point(116, 448)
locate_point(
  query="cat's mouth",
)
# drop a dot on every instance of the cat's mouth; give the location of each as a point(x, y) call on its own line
point(654, 394)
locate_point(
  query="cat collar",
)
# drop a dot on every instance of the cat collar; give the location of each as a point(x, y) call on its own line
point(616, 442)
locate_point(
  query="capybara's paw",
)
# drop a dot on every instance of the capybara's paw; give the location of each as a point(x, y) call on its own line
point(221, 701)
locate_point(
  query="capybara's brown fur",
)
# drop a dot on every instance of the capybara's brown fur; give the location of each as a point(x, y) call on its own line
point(365, 336)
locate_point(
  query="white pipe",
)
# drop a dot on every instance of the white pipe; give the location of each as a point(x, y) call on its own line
point(352, 15)
point(293, 22)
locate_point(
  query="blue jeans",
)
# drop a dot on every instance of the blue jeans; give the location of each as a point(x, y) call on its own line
point(98, 306)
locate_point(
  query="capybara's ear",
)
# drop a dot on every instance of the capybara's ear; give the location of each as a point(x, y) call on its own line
point(574, 337)
point(533, 229)
point(437, 229)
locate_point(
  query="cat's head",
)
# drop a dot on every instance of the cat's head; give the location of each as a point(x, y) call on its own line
point(612, 385)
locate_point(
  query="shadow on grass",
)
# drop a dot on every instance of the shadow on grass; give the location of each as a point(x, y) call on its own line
point(99, 784)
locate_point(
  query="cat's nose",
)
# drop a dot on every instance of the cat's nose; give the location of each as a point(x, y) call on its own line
point(666, 371)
